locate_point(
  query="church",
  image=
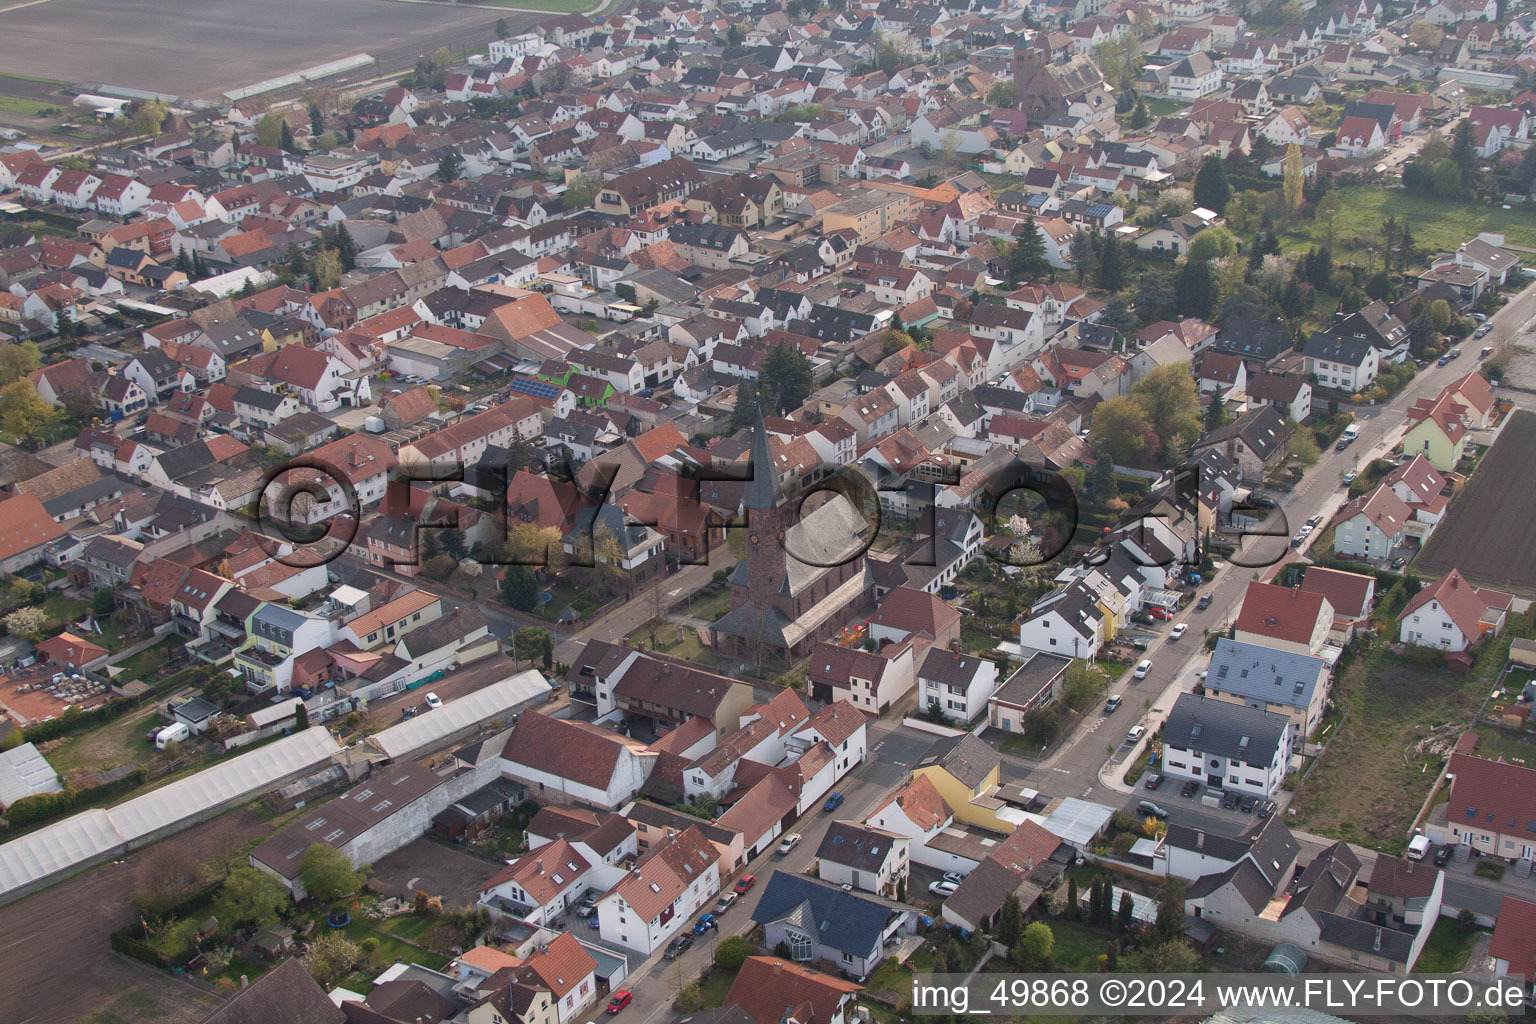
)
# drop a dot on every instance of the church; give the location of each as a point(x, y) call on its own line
point(1044, 89)
point(800, 583)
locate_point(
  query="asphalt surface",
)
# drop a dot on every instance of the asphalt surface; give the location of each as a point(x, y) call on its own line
point(1075, 770)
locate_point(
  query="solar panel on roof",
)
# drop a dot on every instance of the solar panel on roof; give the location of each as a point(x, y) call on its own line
point(535, 388)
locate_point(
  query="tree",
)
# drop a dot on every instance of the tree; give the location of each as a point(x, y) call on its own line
point(1464, 152)
point(888, 57)
point(1156, 294)
point(577, 197)
point(1001, 94)
point(1117, 314)
point(1170, 913)
point(1168, 396)
point(1033, 950)
point(1111, 264)
point(449, 166)
point(316, 121)
point(1105, 488)
point(16, 361)
point(1140, 115)
point(330, 958)
point(1425, 36)
point(1210, 244)
point(1120, 430)
point(1197, 291)
point(249, 897)
point(732, 952)
point(269, 130)
point(519, 589)
point(300, 718)
point(1216, 415)
point(735, 35)
point(1070, 911)
point(1304, 448)
point(1294, 181)
point(327, 874)
point(1211, 188)
point(532, 643)
point(148, 119)
point(1175, 956)
point(1127, 912)
point(103, 602)
point(1027, 259)
point(327, 268)
point(502, 29)
point(1439, 316)
point(1010, 921)
point(1176, 202)
point(1083, 255)
point(786, 377)
point(22, 413)
point(285, 138)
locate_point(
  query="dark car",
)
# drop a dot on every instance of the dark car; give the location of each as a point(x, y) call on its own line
point(1148, 809)
point(1249, 803)
point(1266, 809)
point(1442, 856)
point(1229, 801)
point(1153, 781)
point(1398, 563)
point(707, 923)
point(1204, 603)
point(833, 802)
point(1189, 788)
point(1443, 360)
point(678, 946)
point(1341, 445)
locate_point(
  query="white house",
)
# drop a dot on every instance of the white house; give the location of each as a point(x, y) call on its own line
point(1371, 526)
point(1452, 614)
point(658, 897)
point(1227, 746)
point(958, 684)
point(583, 764)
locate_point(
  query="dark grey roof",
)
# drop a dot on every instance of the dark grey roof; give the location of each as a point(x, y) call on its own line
point(1325, 881)
point(965, 757)
point(1337, 348)
point(1366, 937)
point(857, 846)
point(1242, 876)
point(1254, 339)
point(944, 666)
point(441, 632)
point(1226, 730)
point(1028, 679)
point(1265, 674)
point(848, 921)
point(1225, 848)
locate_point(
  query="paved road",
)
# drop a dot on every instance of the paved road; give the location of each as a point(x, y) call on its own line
point(1076, 769)
point(893, 750)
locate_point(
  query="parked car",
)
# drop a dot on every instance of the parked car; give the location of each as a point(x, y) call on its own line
point(1342, 443)
point(1480, 317)
point(1249, 803)
point(1136, 733)
point(707, 923)
point(1266, 809)
point(789, 843)
point(726, 902)
point(744, 883)
point(1140, 643)
point(1442, 856)
point(1443, 360)
point(833, 802)
point(1482, 331)
point(1113, 704)
point(678, 946)
point(620, 999)
point(1142, 668)
point(1190, 788)
point(434, 701)
point(1349, 478)
point(1177, 631)
point(1204, 603)
point(588, 906)
point(1148, 809)
point(1229, 800)
point(943, 887)
point(1455, 353)
point(954, 876)
point(1153, 781)
point(1398, 563)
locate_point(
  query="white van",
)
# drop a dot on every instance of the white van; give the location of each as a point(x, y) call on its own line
point(1418, 847)
point(174, 733)
point(1350, 433)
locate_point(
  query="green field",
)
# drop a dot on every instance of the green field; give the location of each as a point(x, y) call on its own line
point(562, 6)
point(18, 105)
point(1437, 224)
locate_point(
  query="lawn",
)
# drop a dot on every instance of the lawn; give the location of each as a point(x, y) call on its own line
point(391, 948)
point(714, 986)
point(1437, 224)
point(1078, 947)
point(1495, 742)
point(18, 105)
point(109, 745)
point(1447, 949)
point(1401, 714)
point(707, 605)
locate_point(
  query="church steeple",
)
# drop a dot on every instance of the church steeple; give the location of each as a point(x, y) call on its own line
point(763, 488)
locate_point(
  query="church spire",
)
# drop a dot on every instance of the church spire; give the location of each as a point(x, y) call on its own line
point(763, 487)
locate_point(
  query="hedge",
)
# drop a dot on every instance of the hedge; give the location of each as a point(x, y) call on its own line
point(74, 720)
point(123, 943)
point(30, 810)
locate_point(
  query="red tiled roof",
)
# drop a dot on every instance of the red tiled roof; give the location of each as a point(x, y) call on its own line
point(1514, 937)
point(1282, 613)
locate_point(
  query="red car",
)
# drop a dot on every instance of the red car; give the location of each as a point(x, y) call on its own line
point(744, 883)
point(620, 1000)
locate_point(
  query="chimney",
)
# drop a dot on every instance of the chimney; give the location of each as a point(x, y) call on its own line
point(538, 866)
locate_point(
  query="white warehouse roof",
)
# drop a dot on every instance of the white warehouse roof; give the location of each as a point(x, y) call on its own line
point(95, 833)
point(429, 727)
